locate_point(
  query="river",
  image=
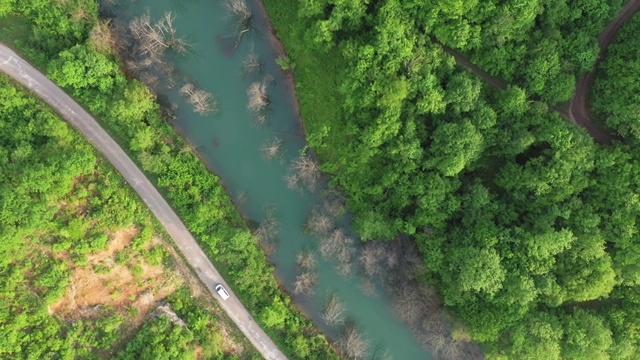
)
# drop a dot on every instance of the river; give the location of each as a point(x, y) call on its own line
point(229, 142)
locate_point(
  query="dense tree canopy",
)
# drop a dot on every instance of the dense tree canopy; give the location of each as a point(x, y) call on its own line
point(528, 228)
point(615, 92)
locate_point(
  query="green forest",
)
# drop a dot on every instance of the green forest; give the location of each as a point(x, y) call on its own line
point(65, 40)
point(527, 226)
point(61, 204)
point(615, 94)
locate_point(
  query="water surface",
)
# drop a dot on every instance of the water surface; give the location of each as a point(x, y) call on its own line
point(229, 143)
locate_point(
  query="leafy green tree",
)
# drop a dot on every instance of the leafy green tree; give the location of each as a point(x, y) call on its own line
point(538, 336)
point(586, 336)
point(585, 271)
point(159, 338)
point(454, 147)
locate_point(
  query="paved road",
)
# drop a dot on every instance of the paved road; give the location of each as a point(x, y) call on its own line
point(12, 65)
point(578, 106)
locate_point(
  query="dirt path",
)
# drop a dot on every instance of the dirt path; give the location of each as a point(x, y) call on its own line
point(493, 81)
point(464, 62)
point(578, 106)
point(17, 68)
point(577, 109)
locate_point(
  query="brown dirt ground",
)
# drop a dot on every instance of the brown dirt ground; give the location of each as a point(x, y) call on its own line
point(120, 288)
point(90, 290)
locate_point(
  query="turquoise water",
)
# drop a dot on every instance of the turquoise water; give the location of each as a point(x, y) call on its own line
point(229, 143)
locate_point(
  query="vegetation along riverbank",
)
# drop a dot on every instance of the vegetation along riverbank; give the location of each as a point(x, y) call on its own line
point(76, 49)
point(528, 227)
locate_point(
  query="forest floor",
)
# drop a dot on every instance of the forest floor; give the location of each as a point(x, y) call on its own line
point(578, 106)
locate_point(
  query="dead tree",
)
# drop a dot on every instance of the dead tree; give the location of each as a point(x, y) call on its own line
point(305, 283)
point(319, 222)
point(334, 203)
point(339, 248)
point(307, 260)
point(370, 258)
point(304, 170)
point(368, 287)
point(203, 102)
point(101, 38)
point(269, 227)
point(353, 344)
point(241, 197)
point(239, 8)
point(408, 305)
point(168, 72)
point(258, 99)
point(333, 313)
point(242, 12)
point(251, 64)
point(444, 347)
point(155, 38)
point(150, 79)
point(272, 149)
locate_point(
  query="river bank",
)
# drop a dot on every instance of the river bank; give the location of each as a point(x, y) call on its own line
point(229, 143)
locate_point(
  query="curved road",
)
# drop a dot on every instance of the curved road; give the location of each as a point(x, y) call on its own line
point(14, 66)
point(577, 109)
point(578, 106)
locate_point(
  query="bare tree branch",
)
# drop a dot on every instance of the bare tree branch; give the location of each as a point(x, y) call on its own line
point(242, 12)
point(269, 227)
point(101, 38)
point(304, 170)
point(307, 260)
point(305, 283)
point(371, 256)
point(155, 38)
point(203, 102)
point(258, 99)
point(353, 344)
point(251, 64)
point(272, 149)
point(339, 248)
point(239, 8)
point(319, 222)
point(333, 313)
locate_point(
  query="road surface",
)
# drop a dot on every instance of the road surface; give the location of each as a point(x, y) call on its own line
point(14, 66)
point(577, 110)
point(493, 81)
point(578, 106)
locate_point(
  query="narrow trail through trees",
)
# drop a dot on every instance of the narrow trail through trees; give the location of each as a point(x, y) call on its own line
point(493, 81)
point(578, 105)
point(576, 111)
point(475, 69)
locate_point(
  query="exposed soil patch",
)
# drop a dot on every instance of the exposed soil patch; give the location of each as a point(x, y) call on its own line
point(578, 106)
point(102, 282)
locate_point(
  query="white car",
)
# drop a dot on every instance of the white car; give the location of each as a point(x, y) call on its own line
point(222, 292)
